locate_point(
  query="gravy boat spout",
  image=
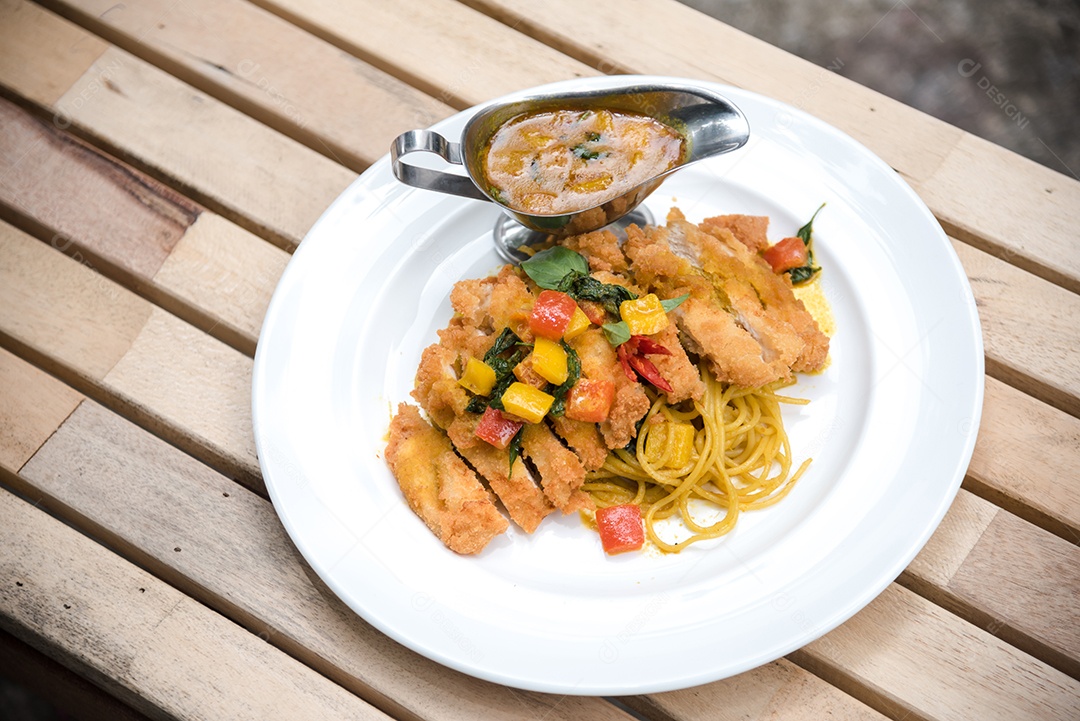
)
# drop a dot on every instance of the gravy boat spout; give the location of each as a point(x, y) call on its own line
point(708, 124)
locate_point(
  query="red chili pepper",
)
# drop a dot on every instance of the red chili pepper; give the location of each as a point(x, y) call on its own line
point(634, 363)
point(643, 344)
point(650, 372)
point(624, 357)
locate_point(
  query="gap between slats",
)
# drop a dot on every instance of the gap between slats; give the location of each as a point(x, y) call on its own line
point(1017, 375)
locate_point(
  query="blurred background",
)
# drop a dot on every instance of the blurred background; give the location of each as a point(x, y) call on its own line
point(1005, 70)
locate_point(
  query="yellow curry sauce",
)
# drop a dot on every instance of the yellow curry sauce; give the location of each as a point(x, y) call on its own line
point(561, 161)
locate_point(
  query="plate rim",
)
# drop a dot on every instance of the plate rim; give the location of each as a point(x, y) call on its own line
point(853, 604)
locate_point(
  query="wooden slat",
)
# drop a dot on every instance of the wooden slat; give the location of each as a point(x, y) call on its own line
point(1030, 332)
point(982, 193)
point(776, 691)
point(66, 691)
point(141, 640)
point(449, 51)
point(1015, 361)
point(135, 230)
point(268, 68)
point(1015, 580)
point(1023, 460)
point(112, 344)
point(34, 406)
point(225, 546)
point(243, 558)
point(227, 161)
point(910, 658)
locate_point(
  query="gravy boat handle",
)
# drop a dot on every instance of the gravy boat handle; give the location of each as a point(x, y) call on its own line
point(418, 177)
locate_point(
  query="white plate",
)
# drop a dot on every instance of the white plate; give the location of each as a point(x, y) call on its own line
point(891, 426)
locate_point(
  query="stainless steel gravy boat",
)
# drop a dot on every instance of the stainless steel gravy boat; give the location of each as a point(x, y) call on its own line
point(709, 123)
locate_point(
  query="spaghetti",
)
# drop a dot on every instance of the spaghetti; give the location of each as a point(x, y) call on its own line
point(740, 459)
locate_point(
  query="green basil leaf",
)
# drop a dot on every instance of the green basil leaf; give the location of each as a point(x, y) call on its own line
point(515, 449)
point(506, 340)
point(573, 367)
point(803, 274)
point(477, 404)
point(673, 303)
point(549, 267)
point(807, 230)
point(609, 295)
point(617, 333)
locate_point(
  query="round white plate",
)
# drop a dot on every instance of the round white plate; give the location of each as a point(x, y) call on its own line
point(891, 426)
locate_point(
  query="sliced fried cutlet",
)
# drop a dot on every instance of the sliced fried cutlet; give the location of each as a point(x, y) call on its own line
point(471, 300)
point(561, 472)
point(750, 230)
point(668, 256)
point(511, 304)
point(438, 486)
point(584, 438)
point(684, 376)
point(729, 256)
point(444, 400)
point(732, 354)
point(519, 493)
point(600, 248)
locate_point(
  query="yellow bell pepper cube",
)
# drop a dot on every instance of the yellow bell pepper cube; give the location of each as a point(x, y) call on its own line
point(549, 360)
point(579, 323)
point(644, 316)
point(528, 403)
point(478, 377)
point(670, 444)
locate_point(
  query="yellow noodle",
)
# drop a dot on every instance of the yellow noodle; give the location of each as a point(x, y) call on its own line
point(741, 460)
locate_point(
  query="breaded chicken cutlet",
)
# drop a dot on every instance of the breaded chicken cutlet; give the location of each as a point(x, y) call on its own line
point(739, 317)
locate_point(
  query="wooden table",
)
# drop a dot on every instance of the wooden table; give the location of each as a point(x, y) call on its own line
point(159, 161)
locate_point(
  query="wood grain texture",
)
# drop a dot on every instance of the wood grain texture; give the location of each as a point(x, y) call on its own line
point(1024, 460)
point(1007, 576)
point(1030, 333)
point(449, 51)
point(87, 198)
point(225, 272)
point(141, 640)
point(116, 346)
point(985, 194)
point(1009, 206)
point(910, 658)
point(232, 545)
point(135, 230)
point(1030, 581)
point(66, 691)
point(775, 691)
point(213, 153)
point(66, 52)
point(225, 546)
point(78, 318)
point(33, 405)
point(268, 68)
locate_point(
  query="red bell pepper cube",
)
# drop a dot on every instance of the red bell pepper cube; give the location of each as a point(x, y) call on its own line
point(620, 528)
point(551, 314)
point(590, 400)
point(787, 254)
point(497, 429)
